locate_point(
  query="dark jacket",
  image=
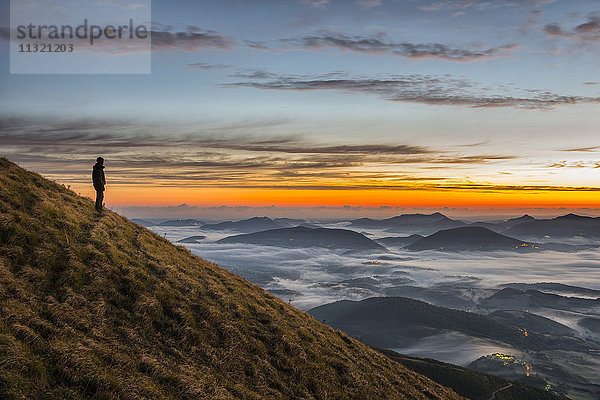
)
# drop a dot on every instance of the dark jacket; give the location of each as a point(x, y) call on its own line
point(98, 177)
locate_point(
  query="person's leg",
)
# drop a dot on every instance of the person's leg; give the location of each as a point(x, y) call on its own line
point(99, 199)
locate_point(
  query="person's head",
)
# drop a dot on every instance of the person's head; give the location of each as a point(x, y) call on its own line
point(100, 160)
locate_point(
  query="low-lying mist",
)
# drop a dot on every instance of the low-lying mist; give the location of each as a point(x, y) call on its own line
point(314, 276)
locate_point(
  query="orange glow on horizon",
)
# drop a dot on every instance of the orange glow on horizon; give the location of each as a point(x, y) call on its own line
point(477, 199)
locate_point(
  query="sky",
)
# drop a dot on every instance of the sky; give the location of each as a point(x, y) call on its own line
point(374, 104)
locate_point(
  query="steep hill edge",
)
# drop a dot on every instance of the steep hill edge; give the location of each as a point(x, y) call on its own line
point(94, 306)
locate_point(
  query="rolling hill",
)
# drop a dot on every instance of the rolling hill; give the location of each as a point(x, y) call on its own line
point(392, 322)
point(192, 239)
point(509, 223)
point(409, 223)
point(250, 225)
point(302, 236)
point(181, 222)
point(514, 299)
point(396, 322)
point(94, 306)
point(531, 322)
point(468, 238)
point(399, 241)
point(401, 323)
point(569, 225)
point(557, 288)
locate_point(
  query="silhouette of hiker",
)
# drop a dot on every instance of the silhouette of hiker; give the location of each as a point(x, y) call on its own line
point(99, 182)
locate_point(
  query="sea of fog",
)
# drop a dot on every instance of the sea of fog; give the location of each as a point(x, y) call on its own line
point(308, 277)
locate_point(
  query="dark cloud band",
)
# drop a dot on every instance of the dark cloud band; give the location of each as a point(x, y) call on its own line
point(380, 45)
point(423, 89)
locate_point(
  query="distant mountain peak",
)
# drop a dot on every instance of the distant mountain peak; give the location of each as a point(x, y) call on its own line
point(466, 238)
point(524, 217)
point(572, 216)
point(259, 219)
point(568, 225)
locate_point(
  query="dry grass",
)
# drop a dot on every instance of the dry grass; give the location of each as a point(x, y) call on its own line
point(98, 307)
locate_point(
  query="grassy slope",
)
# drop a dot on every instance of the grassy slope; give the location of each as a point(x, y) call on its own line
point(96, 306)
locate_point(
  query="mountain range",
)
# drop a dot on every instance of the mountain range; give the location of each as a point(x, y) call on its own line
point(468, 238)
point(475, 238)
point(182, 222)
point(423, 224)
point(570, 225)
point(555, 353)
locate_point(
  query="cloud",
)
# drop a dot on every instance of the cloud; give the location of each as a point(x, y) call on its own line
point(587, 31)
point(380, 45)
point(126, 134)
point(260, 45)
point(584, 149)
point(455, 5)
point(423, 89)
point(230, 156)
point(479, 4)
point(206, 66)
point(165, 38)
point(369, 3)
point(221, 156)
point(315, 3)
point(554, 30)
point(575, 164)
point(591, 27)
point(192, 39)
point(254, 74)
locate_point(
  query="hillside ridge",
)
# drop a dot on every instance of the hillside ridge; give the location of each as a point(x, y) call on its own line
point(94, 306)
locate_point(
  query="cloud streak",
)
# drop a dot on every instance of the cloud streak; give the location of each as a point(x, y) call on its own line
point(165, 38)
point(192, 39)
point(316, 3)
point(369, 3)
point(118, 134)
point(479, 4)
point(422, 89)
point(381, 45)
point(221, 157)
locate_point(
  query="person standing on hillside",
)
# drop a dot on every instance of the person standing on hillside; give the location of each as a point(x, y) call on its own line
point(99, 182)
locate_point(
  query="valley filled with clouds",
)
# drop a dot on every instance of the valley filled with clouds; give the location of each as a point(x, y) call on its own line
point(473, 307)
point(317, 276)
